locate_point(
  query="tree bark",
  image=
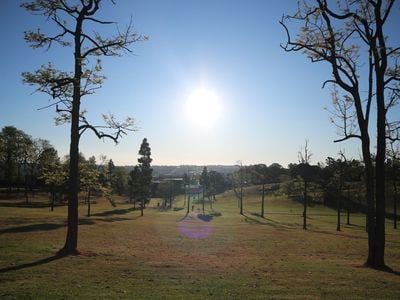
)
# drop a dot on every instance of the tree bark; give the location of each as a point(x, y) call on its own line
point(71, 242)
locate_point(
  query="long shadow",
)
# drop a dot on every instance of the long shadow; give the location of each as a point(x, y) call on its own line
point(339, 233)
point(265, 221)
point(390, 270)
point(23, 204)
point(32, 264)
point(115, 212)
point(205, 218)
point(32, 227)
point(54, 226)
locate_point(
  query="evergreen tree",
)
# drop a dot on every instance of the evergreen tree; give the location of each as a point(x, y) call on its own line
point(145, 172)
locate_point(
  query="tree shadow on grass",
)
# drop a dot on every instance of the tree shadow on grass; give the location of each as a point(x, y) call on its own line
point(264, 221)
point(205, 218)
point(32, 227)
point(115, 212)
point(23, 204)
point(54, 226)
point(32, 264)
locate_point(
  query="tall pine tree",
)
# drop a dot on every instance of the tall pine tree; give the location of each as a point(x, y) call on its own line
point(145, 172)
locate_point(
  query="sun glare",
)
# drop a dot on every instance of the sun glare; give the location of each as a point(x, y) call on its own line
point(203, 108)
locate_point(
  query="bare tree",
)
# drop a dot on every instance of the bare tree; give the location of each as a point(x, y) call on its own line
point(262, 175)
point(304, 164)
point(76, 26)
point(237, 185)
point(342, 165)
point(350, 37)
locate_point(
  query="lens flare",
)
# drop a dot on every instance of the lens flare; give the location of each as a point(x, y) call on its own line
point(195, 228)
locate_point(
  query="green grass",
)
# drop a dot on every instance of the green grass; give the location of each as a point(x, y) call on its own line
point(238, 257)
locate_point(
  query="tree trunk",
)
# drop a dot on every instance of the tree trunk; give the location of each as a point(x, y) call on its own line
point(241, 199)
point(188, 203)
point(379, 261)
point(71, 243)
point(262, 200)
point(305, 206)
point(53, 197)
point(141, 207)
point(203, 199)
point(369, 177)
point(348, 205)
point(88, 203)
point(339, 200)
point(338, 214)
point(394, 204)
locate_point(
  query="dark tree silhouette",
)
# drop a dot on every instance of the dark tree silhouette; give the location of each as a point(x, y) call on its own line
point(146, 172)
point(76, 24)
point(394, 164)
point(238, 182)
point(134, 185)
point(262, 174)
point(305, 173)
point(205, 183)
point(14, 149)
point(350, 37)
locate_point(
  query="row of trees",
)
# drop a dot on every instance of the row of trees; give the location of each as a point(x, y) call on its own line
point(30, 165)
point(338, 183)
point(23, 161)
point(351, 38)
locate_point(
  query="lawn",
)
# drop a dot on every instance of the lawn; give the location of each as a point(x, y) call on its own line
point(216, 255)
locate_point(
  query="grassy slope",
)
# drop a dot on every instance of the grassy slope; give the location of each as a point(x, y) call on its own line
point(133, 257)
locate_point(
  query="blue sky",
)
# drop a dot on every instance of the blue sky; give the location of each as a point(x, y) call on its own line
point(271, 101)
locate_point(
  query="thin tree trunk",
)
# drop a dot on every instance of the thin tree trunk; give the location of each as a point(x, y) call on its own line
point(53, 198)
point(339, 202)
point(26, 189)
point(241, 198)
point(262, 200)
point(203, 199)
point(348, 205)
point(305, 206)
point(395, 204)
point(188, 203)
point(141, 207)
point(88, 203)
point(338, 215)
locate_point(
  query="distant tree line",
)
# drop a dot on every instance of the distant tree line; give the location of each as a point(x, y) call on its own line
point(29, 165)
point(338, 183)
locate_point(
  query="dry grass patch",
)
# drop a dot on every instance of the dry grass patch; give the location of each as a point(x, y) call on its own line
point(165, 255)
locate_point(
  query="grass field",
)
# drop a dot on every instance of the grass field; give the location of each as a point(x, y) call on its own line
point(216, 255)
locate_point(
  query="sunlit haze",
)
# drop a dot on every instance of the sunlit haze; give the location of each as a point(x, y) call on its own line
point(203, 108)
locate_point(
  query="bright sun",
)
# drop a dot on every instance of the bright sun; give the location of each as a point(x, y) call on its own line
point(203, 108)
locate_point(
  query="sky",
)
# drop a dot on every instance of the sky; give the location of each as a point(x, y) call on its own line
point(268, 102)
